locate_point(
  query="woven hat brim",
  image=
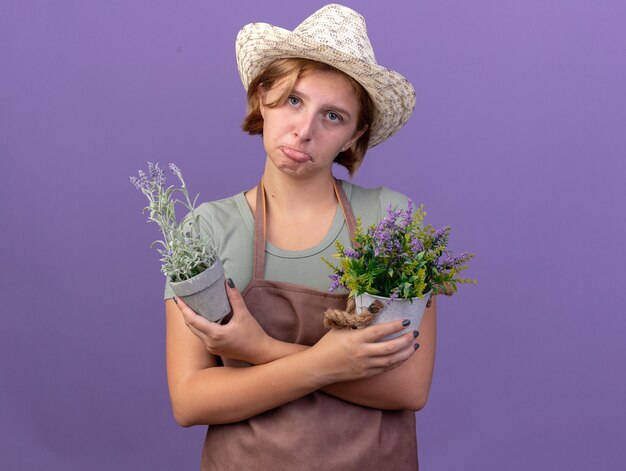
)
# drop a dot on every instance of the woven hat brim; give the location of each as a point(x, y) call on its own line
point(259, 44)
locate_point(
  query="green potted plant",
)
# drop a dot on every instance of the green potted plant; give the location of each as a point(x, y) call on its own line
point(188, 259)
point(400, 262)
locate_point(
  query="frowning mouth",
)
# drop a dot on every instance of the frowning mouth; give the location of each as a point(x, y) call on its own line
point(295, 154)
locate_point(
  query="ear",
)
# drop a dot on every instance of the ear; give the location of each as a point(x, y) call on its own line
point(355, 137)
point(261, 97)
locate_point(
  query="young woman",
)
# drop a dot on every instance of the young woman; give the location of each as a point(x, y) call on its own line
point(276, 388)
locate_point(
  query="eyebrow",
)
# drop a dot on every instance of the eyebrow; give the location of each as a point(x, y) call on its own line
point(331, 106)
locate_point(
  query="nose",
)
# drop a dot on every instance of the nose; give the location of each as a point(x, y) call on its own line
point(304, 126)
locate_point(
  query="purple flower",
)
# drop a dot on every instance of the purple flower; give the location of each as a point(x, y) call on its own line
point(140, 183)
point(135, 181)
point(408, 214)
point(395, 294)
point(440, 237)
point(416, 245)
point(386, 236)
point(351, 253)
point(156, 174)
point(398, 256)
point(449, 261)
point(335, 281)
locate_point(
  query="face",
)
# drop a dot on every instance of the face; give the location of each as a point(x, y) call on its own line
point(303, 135)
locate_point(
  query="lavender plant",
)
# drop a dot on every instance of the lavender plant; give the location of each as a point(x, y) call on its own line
point(184, 252)
point(399, 258)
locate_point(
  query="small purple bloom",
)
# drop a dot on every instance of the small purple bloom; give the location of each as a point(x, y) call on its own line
point(393, 296)
point(135, 181)
point(408, 214)
point(449, 261)
point(140, 183)
point(335, 279)
point(416, 245)
point(156, 173)
point(351, 253)
point(440, 237)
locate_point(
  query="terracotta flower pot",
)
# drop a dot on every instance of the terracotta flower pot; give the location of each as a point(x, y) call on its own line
point(398, 309)
point(205, 293)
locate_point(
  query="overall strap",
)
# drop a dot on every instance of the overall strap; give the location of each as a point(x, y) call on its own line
point(260, 222)
point(259, 233)
point(346, 209)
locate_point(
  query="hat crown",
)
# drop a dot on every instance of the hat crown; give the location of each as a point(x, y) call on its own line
point(340, 28)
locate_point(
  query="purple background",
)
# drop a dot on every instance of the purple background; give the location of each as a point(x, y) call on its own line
point(517, 141)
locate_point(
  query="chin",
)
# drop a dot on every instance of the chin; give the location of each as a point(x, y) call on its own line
point(293, 172)
point(292, 168)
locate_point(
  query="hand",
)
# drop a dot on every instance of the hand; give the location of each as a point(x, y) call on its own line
point(347, 354)
point(241, 339)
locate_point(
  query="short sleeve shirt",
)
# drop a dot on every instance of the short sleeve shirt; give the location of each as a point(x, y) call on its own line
point(229, 223)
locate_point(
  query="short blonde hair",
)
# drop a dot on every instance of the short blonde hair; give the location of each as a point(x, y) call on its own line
point(292, 69)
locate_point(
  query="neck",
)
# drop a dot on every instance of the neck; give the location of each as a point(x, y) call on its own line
point(296, 193)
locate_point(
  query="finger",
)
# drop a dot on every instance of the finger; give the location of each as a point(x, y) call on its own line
point(234, 296)
point(198, 333)
point(376, 332)
point(188, 314)
point(392, 361)
point(195, 321)
point(210, 343)
point(393, 346)
point(182, 305)
point(185, 310)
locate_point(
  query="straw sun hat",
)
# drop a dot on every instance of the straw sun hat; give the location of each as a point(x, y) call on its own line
point(335, 35)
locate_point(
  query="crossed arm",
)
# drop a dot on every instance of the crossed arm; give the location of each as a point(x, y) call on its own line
point(348, 364)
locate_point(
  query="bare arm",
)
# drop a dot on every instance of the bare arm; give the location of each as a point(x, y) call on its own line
point(404, 387)
point(202, 393)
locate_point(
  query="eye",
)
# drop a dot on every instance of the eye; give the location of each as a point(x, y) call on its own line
point(293, 100)
point(334, 117)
